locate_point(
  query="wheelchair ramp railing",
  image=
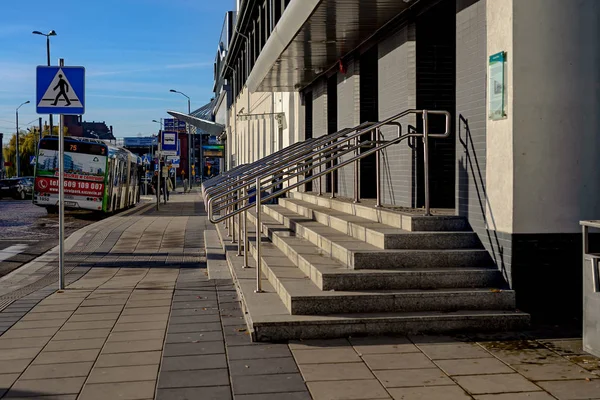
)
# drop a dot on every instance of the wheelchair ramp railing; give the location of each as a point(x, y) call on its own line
point(232, 194)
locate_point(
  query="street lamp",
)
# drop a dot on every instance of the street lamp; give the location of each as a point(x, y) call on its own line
point(190, 141)
point(51, 33)
point(17, 118)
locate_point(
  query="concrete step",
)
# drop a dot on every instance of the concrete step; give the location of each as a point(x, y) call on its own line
point(357, 254)
point(302, 297)
point(398, 217)
point(269, 320)
point(379, 234)
point(329, 274)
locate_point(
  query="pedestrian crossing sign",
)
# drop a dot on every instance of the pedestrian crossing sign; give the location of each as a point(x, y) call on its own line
point(60, 90)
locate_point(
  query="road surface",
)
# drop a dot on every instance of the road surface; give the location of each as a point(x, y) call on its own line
point(27, 231)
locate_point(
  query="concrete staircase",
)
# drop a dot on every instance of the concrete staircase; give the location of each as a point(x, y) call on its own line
point(333, 268)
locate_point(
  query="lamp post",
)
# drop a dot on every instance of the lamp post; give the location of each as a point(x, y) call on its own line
point(51, 33)
point(17, 123)
point(190, 141)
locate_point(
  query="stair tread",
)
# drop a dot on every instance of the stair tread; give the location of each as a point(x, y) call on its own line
point(327, 265)
point(343, 240)
point(297, 284)
point(378, 227)
point(267, 309)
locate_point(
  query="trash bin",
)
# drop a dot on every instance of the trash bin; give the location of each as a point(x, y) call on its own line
point(591, 291)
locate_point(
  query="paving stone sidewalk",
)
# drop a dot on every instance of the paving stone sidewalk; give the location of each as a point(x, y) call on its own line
point(141, 320)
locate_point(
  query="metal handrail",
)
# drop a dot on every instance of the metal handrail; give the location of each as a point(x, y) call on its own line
point(233, 193)
point(241, 169)
point(305, 148)
point(300, 160)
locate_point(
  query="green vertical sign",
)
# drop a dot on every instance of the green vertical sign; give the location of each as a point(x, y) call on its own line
point(497, 86)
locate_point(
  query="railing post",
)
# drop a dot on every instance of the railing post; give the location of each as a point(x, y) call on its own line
point(258, 238)
point(356, 172)
point(426, 161)
point(234, 208)
point(239, 226)
point(320, 177)
point(378, 168)
point(332, 180)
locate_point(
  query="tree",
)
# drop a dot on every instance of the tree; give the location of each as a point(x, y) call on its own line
point(28, 142)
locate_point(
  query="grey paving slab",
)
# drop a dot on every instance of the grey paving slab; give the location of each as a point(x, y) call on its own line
point(383, 345)
point(99, 310)
point(146, 304)
point(144, 318)
point(47, 386)
point(573, 390)
point(193, 337)
point(82, 334)
point(186, 305)
point(14, 366)
point(498, 383)
point(51, 397)
point(45, 316)
point(413, 377)
point(123, 391)
point(304, 395)
point(53, 323)
point(75, 344)
point(193, 378)
point(258, 350)
point(57, 357)
point(16, 343)
point(66, 370)
point(94, 317)
point(139, 326)
point(539, 356)
point(198, 362)
point(55, 309)
point(208, 393)
point(430, 393)
point(453, 351)
point(182, 349)
point(144, 311)
point(195, 319)
point(316, 344)
point(133, 346)
point(555, 371)
point(398, 361)
point(347, 390)
point(136, 335)
point(124, 374)
point(280, 383)
point(263, 366)
point(473, 366)
point(128, 359)
point(17, 354)
point(516, 396)
point(6, 380)
point(78, 326)
point(335, 372)
point(195, 327)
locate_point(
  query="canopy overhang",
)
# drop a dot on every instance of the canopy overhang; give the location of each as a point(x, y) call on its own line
point(313, 35)
point(210, 127)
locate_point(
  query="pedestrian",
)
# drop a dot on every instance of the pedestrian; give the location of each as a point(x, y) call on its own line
point(157, 190)
point(169, 187)
point(183, 180)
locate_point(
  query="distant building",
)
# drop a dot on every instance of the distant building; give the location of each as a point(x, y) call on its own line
point(94, 130)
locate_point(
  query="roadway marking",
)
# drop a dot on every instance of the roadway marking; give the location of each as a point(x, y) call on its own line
point(11, 251)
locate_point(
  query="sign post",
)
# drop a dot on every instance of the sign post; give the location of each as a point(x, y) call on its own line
point(60, 90)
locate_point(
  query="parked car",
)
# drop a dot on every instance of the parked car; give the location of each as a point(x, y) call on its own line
point(17, 188)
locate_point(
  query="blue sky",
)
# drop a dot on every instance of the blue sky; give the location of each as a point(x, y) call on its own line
point(134, 51)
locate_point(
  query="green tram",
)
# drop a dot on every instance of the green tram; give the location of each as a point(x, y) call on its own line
point(98, 176)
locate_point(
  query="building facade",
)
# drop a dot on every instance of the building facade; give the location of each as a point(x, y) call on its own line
point(520, 78)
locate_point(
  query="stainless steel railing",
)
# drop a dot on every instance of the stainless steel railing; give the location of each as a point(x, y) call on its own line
point(232, 194)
